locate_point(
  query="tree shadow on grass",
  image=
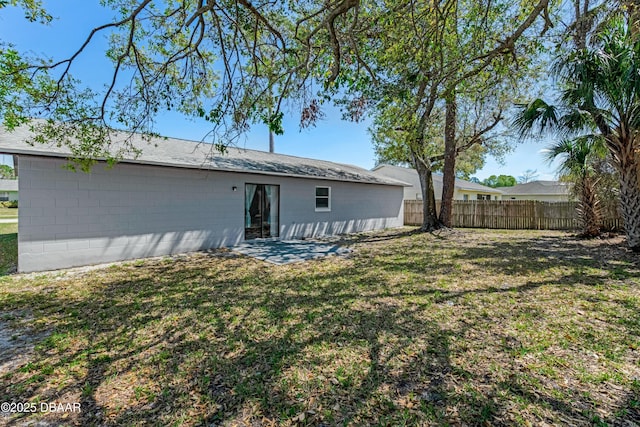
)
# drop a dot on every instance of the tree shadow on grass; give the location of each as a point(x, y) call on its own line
point(513, 256)
point(221, 353)
point(236, 341)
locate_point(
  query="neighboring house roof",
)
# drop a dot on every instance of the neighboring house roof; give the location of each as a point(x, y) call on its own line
point(8, 185)
point(198, 155)
point(411, 176)
point(538, 188)
point(472, 186)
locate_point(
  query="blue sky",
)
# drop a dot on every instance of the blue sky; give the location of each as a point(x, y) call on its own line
point(331, 139)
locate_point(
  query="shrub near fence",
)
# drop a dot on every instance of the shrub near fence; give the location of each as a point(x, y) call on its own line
point(513, 215)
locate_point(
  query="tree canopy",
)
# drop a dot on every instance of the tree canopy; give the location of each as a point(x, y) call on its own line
point(230, 62)
point(499, 181)
point(439, 77)
point(235, 62)
point(7, 172)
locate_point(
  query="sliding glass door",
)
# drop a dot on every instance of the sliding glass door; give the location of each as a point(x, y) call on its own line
point(261, 211)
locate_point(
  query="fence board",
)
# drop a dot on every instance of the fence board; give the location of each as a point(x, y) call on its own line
point(514, 214)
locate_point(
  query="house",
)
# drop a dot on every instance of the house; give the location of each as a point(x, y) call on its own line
point(542, 191)
point(8, 190)
point(464, 190)
point(179, 196)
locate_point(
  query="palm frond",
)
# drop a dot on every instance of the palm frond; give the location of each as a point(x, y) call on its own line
point(535, 117)
point(576, 121)
point(577, 154)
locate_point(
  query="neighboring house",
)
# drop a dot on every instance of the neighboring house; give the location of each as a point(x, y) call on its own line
point(8, 190)
point(181, 196)
point(464, 190)
point(542, 191)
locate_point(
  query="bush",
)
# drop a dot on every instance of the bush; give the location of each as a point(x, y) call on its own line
point(10, 204)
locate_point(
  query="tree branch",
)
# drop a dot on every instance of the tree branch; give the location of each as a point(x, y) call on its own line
point(475, 139)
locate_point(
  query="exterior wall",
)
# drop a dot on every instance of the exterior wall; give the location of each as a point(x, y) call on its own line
point(354, 208)
point(71, 219)
point(473, 194)
point(13, 196)
point(412, 193)
point(538, 197)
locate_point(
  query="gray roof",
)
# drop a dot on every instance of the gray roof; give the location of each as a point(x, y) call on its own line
point(198, 155)
point(538, 188)
point(8, 185)
point(411, 176)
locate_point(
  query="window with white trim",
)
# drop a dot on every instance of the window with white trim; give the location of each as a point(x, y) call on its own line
point(323, 199)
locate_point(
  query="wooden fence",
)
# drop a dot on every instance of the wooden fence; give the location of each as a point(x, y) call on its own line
point(514, 215)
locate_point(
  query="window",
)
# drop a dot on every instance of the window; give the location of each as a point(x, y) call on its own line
point(465, 197)
point(323, 199)
point(4, 196)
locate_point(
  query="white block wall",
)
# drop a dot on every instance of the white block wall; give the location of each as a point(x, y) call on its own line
point(133, 211)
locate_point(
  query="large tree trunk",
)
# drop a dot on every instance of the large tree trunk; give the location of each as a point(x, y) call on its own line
point(627, 161)
point(582, 23)
point(630, 203)
point(449, 169)
point(632, 10)
point(589, 207)
point(429, 215)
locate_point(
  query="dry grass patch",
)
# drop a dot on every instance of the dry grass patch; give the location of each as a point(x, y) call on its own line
point(465, 327)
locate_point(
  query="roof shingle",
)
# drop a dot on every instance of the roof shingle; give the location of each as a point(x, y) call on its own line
point(199, 155)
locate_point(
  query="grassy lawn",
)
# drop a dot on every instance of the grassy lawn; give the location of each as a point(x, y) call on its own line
point(8, 248)
point(6, 213)
point(470, 327)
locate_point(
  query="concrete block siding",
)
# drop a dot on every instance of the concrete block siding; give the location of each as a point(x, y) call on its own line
point(133, 211)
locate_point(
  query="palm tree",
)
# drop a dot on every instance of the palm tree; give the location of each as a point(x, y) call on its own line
point(579, 156)
point(601, 97)
point(605, 83)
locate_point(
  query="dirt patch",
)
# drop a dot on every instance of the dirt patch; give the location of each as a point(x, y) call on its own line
point(16, 343)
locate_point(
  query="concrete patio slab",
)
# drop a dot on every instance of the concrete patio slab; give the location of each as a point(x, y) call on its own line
point(283, 252)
